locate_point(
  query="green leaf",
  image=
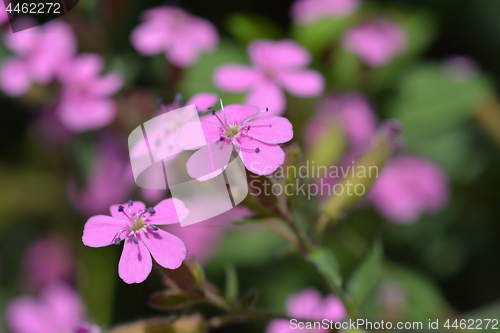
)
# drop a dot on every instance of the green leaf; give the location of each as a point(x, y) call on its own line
point(323, 33)
point(429, 101)
point(231, 291)
point(249, 26)
point(424, 298)
point(98, 282)
point(367, 274)
point(240, 247)
point(326, 264)
point(329, 149)
point(183, 278)
point(198, 78)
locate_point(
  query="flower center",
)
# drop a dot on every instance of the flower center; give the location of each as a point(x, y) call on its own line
point(135, 224)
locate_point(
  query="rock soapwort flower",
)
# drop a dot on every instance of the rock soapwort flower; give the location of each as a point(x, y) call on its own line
point(137, 226)
point(58, 310)
point(309, 11)
point(85, 101)
point(308, 305)
point(276, 65)
point(182, 37)
point(255, 140)
point(377, 42)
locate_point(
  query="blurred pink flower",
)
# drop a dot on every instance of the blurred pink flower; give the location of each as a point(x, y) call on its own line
point(164, 137)
point(110, 179)
point(351, 112)
point(201, 239)
point(40, 54)
point(85, 101)
point(309, 11)
point(276, 65)
point(58, 310)
point(181, 36)
point(408, 187)
point(308, 305)
point(257, 141)
point(48, 260)
point(377, 42)
point(141, 235)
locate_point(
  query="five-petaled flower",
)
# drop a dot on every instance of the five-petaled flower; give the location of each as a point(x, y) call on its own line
point(255, 140)
point(276, 64)
point(181, 36)
point(136, 225)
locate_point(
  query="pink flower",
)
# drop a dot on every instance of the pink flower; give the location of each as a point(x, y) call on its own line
point(182, 37)
point(256, 141)
point(351, 112)
point(201, 239)
point(164, 137)
point(142, 237)
point(3, 13)
point(48, 260)
point(309, 11)
point(377, 42)
point(110, 178)
point(41, 52)
point(308, 305)
point(276, 65)
point(58, 310)
point(407, 187)
point(85, 101)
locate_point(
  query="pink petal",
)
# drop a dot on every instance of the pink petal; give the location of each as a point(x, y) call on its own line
point(306, 83)
point(189, 137)
point(203, 101)
point(137, 206)
point(235, 78)
point(168, 211)
point(278, 54)
point(84, 68)
point(107, 84)
point(266, 161)
point(271, 130)
point(167, 250)
point(238, 112)
point(333, 309)
point(267, 95)
point(101, 230)
point(82, 113)
point(135, 262)
point(26, 315)
point(304, 305)
point(209, 159)
point(182, 53)
point(22, 42)
point(203, 32)
point(65, 305)
point(15, 79)
point(149, 38)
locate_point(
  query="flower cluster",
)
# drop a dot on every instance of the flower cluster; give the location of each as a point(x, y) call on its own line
point(47, 53)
